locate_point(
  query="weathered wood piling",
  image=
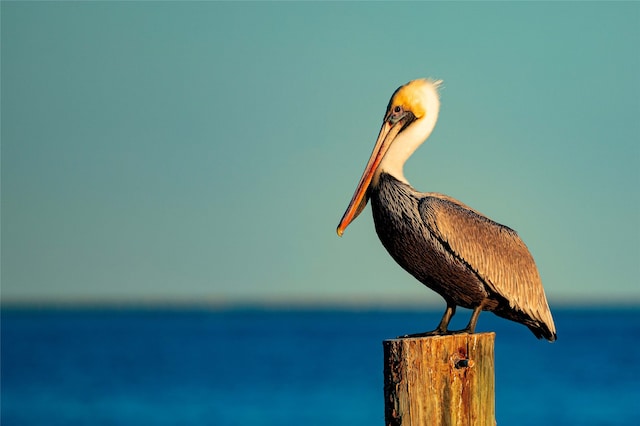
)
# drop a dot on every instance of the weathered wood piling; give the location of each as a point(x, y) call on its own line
point(440, 380)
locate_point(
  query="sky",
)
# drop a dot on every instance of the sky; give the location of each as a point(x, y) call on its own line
point(204, 152)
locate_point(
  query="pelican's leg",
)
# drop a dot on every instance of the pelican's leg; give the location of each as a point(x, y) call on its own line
point(471, 327)
point(442, 327)
point(446, 318)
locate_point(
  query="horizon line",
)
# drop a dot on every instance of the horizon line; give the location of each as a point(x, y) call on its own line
point(275, 303)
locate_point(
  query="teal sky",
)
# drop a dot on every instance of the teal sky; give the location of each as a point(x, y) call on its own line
point(205, 151)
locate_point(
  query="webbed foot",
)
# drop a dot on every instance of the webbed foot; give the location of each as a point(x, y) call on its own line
point(437, 332)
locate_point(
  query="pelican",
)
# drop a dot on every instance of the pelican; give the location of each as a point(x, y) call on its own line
point(459, 253)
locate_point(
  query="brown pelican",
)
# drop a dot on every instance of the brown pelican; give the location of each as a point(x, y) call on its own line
point(461, 254)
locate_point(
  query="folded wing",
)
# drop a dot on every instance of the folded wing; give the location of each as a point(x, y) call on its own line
point(495, 252)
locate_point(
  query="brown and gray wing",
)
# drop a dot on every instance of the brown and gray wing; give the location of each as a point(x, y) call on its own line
point(495, 252)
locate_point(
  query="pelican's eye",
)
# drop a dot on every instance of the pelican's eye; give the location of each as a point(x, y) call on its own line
point(396, 114)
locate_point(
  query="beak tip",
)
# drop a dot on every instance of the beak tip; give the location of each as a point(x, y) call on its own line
point(339, 231)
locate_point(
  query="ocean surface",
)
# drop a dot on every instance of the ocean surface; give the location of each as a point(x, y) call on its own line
point(293, 366)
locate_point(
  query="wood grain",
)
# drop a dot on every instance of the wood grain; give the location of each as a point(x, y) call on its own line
point(440, 380)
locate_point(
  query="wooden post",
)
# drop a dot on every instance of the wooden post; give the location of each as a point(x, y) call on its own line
point(440, 380)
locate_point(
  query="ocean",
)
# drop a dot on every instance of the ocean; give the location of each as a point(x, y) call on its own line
point(252, 366)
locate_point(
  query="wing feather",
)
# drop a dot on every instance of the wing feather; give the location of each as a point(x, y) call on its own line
point(495, 252)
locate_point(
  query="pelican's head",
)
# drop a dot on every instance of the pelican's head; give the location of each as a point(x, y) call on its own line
point(410, 117)
point(415, 97)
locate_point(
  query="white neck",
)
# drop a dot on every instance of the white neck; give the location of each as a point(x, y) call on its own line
point(406, 143)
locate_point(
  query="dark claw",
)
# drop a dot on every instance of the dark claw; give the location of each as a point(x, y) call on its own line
point(436, 332)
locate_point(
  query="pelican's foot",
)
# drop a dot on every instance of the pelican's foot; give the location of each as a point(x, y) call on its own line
point(463, 331)
point(436, 332)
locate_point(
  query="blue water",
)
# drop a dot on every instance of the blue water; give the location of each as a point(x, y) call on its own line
point(293, 367)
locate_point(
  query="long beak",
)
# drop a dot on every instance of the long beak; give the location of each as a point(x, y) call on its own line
point(387, 134)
